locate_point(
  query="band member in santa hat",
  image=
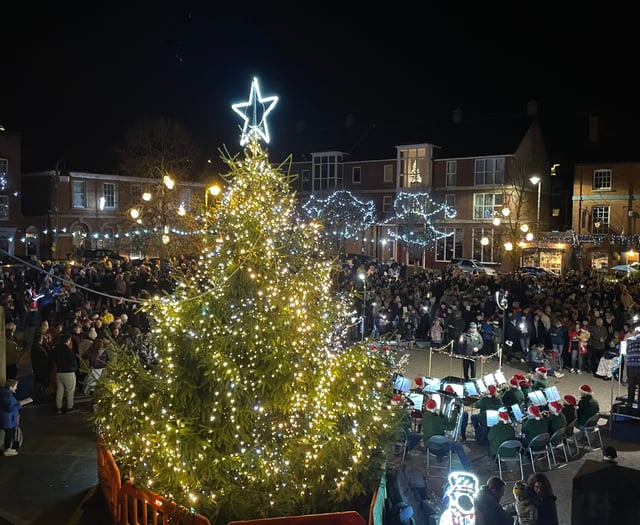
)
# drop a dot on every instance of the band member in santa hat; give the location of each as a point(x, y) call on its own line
point(540, 379)
point(569, 406)
point(557, 420)
point(491, 401)
point(435, 424)
point(502, 431)
point(535, 424)
point(588, 406)
point(514, 395)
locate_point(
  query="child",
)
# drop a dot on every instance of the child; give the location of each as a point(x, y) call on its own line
point(525, 509)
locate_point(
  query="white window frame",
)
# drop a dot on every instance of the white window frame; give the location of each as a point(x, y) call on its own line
point(602, 180)
point(327, 172)
point(388, 173)
point(5, 212)
point(356, 175)
point(487, 205)
point(451, 173)
point(387, 204)
point(185, 198)
point(601, 214)
point(78, 194)
point(482, 253)
point(110, 194)
point(489, 171)
point(450, 246)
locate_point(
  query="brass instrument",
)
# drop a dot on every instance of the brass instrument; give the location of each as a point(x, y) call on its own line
point(452, 408)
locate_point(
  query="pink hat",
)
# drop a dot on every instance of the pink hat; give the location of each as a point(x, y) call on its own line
point(514, 383)
point(534, 411)
point(431, 404)
point(585, 389)
point(541, 370)
point(504, 416)
point(555, 407)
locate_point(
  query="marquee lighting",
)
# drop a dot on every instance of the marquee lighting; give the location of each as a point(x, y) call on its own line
point(254, 112)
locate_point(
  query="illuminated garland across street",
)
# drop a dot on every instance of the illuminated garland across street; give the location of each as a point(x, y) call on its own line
point(345, 216)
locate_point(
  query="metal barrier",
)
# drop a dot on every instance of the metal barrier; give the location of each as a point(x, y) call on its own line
point(109, 479)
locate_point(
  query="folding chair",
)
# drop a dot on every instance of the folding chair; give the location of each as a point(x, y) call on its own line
point(538, 448)
point(510, 451)
point(570, 438)
point(590, 430)
point(558, 442)
point(440, 444)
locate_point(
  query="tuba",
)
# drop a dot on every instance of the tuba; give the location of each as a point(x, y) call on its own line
point(452, 408)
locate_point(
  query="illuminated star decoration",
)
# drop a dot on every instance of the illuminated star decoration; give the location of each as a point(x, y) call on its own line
point(254, 113)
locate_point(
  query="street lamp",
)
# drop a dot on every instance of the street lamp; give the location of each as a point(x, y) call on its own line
point(363, 276)
point(537, 181)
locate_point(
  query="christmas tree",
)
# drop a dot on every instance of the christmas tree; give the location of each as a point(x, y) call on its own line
point(258, 406)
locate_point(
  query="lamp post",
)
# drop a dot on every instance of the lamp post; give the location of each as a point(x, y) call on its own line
point(535, 180)
point(363, 276)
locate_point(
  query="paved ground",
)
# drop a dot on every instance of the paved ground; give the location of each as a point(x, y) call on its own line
point(53, 479)
point(438, 365)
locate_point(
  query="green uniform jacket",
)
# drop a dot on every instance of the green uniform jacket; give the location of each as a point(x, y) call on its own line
point(435, 425)
point(513, 396)
point(540, 383)
point(499, 433)
point(487, 403)
point(556, 423)
point(532, 427)
point(587, 407)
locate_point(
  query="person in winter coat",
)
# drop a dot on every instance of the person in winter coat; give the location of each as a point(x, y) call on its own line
point(544, 499)
point(488, 510)
point(526, 510)
point(9, 416)
point(470, 345)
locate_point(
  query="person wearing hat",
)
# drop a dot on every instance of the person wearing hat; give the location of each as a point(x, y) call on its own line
point(540, 379)
point(525, 386)
point(491, 401)
point(470, 345)
point(525, 509)
point(434, 424)
point(569, 405)
point(514, 395)
point(502, 431)
point(557, 419)
point(588, 406)
point(534, 425)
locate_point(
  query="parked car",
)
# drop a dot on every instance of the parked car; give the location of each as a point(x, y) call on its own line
point(538, 271)
point(473, 266)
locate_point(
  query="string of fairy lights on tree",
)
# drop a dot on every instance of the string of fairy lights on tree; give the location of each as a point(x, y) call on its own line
point(257, 407)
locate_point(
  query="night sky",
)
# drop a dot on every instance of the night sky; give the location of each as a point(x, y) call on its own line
point(72, 83)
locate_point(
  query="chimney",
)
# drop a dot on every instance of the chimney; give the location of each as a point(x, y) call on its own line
point(457, 116)
point(532, 107)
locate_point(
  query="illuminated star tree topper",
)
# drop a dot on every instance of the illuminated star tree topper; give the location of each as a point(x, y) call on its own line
point(254, 112)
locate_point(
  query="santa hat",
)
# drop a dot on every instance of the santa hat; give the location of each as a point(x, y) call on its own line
point(395, 400)
point(570, 400)
point(92, 334)
point(449, 390)
point(542, 371)
point(419, 382)
point(555, 407)
point(514, 382)
point(519, 376)
point(534, 411)
point(525, 383)
point(503, 415)
point(431, 405)
point(585, 389)
point(492, 390)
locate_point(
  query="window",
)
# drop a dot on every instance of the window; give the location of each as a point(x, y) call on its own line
point(79, 190)
point(601, 180)
point(136, 192)
point(489, 171)
point(555, 212)
point(413, 166)
point(601, 217)
point(306, 180)
point(4, 173)
point(356, 175)
point(452, 170)
point(109, 195)
point(79, 236)
point(388, 173)
point(387, 204)
point(487, 205)
point(449, 247)
point(327, 172)
point(4, 207)
point(484, 249)
point(450, 200)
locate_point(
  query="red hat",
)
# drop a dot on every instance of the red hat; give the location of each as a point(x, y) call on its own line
point(525, 383)
point(520, 376)
point(504, 416)
point(449, 390)
point(534, 411)
point(492, 390)
point(396, 399)
point(514, 382)
point(541, 370)
point(570, 400)
point(419, 381)
point(555, 407)
point(585, 389)
point(431, 404)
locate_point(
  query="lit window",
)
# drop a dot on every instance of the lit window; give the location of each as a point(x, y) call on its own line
point(327, 172)
point(78, 187)
point(487, 205)
point(109, 195)
point(602, 180)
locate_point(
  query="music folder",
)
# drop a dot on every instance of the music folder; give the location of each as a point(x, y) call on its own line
point(492, 417)
point(517, 413)
point(401, 383)
point(482, 388)
point(432, 384)
point(537, 398)
point(489, 380)
point(416, 400)
point(471, 388)
point(552, 394)
point(458, 389)
point(499, 376)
